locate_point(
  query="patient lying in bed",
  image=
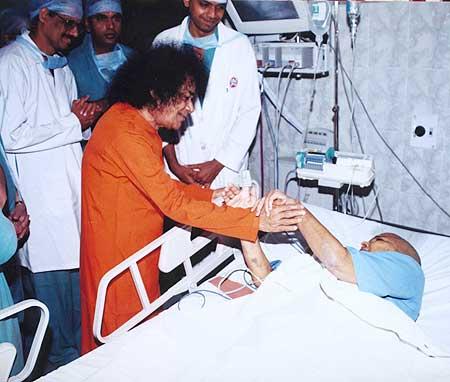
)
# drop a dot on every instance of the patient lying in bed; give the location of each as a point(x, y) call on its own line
point(386, 265)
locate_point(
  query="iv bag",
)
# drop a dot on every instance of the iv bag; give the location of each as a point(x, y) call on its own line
point(319, 18)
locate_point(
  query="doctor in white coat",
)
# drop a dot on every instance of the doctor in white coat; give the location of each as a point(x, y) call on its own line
point(41, 133)
point(215, 144)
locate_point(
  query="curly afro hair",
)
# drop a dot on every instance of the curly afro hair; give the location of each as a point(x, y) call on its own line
point(155, 77)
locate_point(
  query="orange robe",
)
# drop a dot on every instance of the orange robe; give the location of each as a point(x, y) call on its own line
point(125, 194)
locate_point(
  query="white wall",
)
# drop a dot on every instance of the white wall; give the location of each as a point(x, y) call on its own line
point(402, 61)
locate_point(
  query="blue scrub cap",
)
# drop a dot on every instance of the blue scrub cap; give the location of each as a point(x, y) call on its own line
point(71, 8)
point(12, 22)
point(100, 6)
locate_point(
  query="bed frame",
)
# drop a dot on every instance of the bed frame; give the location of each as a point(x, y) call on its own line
point(176, 248)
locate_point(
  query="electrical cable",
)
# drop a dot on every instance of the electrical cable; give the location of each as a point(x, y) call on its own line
point(350, 106)
point(351, 102)
point(369, 210)
point(289, 181)
point(289, 119)
point(358, 135)
point(391, 149)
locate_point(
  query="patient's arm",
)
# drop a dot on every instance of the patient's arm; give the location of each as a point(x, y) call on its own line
point(331, 253)
point(254, 257)
point(256, 261)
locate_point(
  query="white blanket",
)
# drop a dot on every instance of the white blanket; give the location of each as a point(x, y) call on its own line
point(302, 324)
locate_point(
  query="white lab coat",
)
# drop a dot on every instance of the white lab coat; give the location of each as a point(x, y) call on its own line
point(42, 141)
point(224, 127)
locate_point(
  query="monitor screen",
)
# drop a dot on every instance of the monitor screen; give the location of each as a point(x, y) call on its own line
point(268, 16)
point(250, 10)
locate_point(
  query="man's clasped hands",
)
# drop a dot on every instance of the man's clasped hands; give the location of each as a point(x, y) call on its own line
point(269, 204)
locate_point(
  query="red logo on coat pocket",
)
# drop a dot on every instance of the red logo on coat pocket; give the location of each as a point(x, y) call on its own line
point(233, 82)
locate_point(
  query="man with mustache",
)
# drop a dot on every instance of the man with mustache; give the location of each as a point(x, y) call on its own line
point(214, 148)
point(43, 125)
point(96, 60)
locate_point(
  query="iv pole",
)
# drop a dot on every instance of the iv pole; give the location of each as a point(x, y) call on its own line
point(336, 94)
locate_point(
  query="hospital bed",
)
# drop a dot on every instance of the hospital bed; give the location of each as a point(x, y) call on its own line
point(301, 324)
point(8, 351)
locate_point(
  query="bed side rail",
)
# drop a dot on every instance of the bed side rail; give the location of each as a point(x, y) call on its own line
point(189, 282)
point(37, 340)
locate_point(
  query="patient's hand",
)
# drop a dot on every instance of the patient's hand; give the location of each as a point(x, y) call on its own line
point(273, 198)
point(240, 198)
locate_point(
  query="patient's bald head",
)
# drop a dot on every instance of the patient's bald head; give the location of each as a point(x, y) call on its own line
point(388, 241)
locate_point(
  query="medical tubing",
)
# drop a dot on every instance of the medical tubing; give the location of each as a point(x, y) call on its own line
point(370, 209)
point(279, 109)
point(261, 131)
point(202, 292)
point(287, 180)
point(219, 286)
point(377, 202)
point(313, 93)
point(352, 94)
point(276, 132)
point(350, 106)
point(279, 118)
point(269, 125)
point(393, 152)
point(250, 284)
point(245, 271)
point(288, 117)
point(358, 135)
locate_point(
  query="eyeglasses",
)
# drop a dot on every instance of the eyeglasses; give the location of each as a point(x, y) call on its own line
point(68, 24)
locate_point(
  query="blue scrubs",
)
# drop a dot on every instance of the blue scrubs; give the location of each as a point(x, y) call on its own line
point(60, 291)
point(87, 76)
point(12, 269)
point(390, 275)
point(9, 328)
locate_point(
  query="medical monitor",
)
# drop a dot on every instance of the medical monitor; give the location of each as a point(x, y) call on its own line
point(255, 17)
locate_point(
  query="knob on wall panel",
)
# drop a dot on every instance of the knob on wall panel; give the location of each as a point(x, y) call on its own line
point(424, 129)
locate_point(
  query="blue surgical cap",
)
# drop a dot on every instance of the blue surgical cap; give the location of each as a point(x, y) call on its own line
point(12, 22)
point(101, 6)
point(71, 8)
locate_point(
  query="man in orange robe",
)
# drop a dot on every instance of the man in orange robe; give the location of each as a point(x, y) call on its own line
point(125, 194)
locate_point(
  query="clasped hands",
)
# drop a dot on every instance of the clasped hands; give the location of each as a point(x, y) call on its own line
point(21, 220)
point(277, 212)
point(88, 112)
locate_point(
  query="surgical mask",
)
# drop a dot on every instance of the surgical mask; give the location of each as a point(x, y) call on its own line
point(54, 62)
point(50, 62)
point(108, 63)
point(205, 43)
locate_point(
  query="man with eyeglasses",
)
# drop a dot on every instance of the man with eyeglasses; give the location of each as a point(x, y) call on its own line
point(96, 60)
point(43, 125)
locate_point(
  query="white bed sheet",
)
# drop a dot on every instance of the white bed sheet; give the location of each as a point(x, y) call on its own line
point(434, 251)
point(208, 345)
